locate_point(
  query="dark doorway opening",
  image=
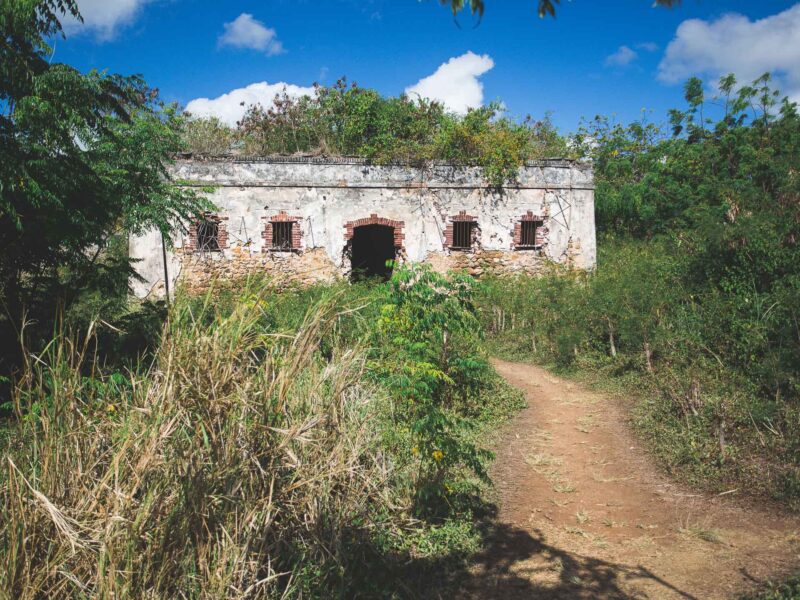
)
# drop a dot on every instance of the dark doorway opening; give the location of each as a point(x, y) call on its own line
point(372, 252)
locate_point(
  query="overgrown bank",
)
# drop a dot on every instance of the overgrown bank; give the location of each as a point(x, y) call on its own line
point(318, 444)
point(694, 304)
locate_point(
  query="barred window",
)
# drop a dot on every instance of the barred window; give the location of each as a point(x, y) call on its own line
point(462, 235)
point(282, 235)
point(208, 235)
point(527, 238)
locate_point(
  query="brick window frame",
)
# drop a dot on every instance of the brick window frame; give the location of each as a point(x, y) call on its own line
point(540, 234)
point(449, 232)
point(191, 246)
point(281, 217)
point(374, 219)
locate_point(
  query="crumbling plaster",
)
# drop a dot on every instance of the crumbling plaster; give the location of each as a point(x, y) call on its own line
point(328, 193)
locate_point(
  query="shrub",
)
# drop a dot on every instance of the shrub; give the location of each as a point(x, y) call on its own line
point(347, 120)
point(265, 452)
point(429, 362)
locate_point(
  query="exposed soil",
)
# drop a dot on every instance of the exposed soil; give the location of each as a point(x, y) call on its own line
point(583, 513)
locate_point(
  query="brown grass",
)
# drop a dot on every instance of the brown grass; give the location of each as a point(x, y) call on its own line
point(234, 463)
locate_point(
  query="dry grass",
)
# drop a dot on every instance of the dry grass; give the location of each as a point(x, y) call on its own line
point(540, 460)
point(701, 533)
point(576, 531)
point(610, 523)
point(559, 503)
point(236, 459)
point(564, 487)
point(585, 423)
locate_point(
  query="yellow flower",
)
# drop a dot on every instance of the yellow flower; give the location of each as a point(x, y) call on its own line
point(111, 408)
point(415, 451)
point(437, 455)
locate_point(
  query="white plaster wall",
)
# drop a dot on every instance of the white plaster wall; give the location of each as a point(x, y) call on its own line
point(146, 251)
point(328, 193)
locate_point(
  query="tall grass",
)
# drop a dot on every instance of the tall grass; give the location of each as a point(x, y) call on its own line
point(274, 447)
point(236, 462)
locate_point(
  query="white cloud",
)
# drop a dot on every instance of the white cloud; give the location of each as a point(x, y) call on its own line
point(231, 107)
point(103, 17)
point(247, 32)
point(455, 83)
point(735, 44)
point(621, 58)
point(648, 46)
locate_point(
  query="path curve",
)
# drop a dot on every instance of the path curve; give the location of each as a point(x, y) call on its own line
point(584, 514)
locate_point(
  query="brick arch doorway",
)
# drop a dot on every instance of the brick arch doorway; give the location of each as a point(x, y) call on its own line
point(373, 246)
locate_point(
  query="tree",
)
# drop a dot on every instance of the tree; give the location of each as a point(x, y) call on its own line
point(546, 7)
point(82, 158)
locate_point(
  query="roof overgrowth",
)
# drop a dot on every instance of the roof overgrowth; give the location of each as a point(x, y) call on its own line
point(346, 120)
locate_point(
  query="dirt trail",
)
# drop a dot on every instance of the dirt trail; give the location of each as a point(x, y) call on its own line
point(584, 514)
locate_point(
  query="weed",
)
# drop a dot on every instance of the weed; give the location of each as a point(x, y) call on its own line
point(576, 531)
point(564, 487)
point(559, 503)
point(541, 460)
point(701, 533)
point(612, 524)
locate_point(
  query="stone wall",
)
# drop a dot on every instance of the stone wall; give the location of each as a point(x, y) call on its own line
point(326, 200)
point(312, 266)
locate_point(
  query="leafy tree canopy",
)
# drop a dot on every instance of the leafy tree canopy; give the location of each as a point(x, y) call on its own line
point(81, 155)
point(82, 158)
point(545, 7)
point(348, 120)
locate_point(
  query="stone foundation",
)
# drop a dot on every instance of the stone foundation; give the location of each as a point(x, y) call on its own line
point(490, 262)
point(284, 268)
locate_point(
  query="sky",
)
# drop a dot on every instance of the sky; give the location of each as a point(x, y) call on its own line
point(615, 57)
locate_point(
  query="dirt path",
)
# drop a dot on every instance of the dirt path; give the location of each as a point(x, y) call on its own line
point(583, 514)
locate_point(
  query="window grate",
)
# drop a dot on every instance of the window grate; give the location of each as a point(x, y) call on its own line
point(462, 235)
point(527, 236)
point(208, 236)
point(282, 235)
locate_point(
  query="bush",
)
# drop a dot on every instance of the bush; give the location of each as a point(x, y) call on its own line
point(634, 321)
point(347, 120)
point(266, 452)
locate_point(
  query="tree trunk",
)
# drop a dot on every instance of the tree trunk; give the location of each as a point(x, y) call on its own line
point(611, 338)
point(648, 356)
point(721, 433)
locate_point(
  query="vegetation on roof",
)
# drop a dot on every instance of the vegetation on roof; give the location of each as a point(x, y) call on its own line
point(348, 120)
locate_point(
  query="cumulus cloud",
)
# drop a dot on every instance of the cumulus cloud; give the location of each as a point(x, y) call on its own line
point(648, 46)
point(455, 83)
point(247, 32)
point(103, 17)
point(735, 44)
point(231, 107)
point(621, 58)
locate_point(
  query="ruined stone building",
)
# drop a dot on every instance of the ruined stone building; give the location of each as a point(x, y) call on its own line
point(318, 219)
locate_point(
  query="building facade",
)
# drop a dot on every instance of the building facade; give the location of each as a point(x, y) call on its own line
point(318, 219)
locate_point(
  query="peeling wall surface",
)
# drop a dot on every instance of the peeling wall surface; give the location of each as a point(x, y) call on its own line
point(327, 200)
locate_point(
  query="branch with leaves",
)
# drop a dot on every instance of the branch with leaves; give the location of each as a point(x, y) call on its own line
point(546, 7)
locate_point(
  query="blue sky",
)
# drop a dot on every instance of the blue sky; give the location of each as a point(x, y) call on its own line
point(611, 57)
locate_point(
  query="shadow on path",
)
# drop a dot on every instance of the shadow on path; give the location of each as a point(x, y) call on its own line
point(519, 564)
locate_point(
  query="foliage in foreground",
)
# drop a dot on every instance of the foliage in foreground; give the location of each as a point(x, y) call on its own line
point(269, 451)
point(543, 9)
point(83, 162)
point(787, 590)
